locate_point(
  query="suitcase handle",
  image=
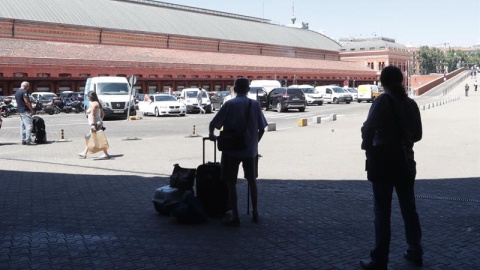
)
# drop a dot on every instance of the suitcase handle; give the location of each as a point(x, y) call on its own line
point(214, 149)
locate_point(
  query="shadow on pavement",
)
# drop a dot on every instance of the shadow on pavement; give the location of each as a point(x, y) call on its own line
point(72, 221)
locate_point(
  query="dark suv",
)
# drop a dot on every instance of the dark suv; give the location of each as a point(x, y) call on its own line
point(287, 98)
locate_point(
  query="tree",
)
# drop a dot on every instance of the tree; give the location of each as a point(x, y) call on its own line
point(431, 60)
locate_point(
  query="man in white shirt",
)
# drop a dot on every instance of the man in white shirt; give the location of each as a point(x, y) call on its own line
point(233, 116)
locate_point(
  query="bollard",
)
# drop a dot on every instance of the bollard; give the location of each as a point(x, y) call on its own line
point(423, 107)
point(62, 136)
point(317, 119)
point(193, 131)
point(302, 122)
point(428, 106)
point(272, 127)
point(333, 117)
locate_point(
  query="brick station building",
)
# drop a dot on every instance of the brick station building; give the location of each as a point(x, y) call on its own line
point(56, 45)
point(376, 53)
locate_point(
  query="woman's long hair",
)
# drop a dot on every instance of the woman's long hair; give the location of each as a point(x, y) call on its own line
point(92, 96)
point(392, 80)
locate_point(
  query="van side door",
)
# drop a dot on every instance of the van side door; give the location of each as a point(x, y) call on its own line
point(328, 95)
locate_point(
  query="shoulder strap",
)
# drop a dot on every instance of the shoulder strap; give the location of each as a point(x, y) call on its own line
point(248, 113)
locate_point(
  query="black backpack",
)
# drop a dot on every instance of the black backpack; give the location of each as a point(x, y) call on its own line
point(39, 130)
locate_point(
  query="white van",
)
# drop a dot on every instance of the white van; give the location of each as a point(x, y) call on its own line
point(269, 85)
point(368, 92)
point(335, 94)
point(188, 97)
point(312, 96)
point(113, 94)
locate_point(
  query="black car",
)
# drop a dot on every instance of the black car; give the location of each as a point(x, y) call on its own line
point(259, 94)
point(284, 98)
point(217, 99)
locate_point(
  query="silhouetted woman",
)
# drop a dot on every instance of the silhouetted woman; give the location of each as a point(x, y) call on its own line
point(392, 127)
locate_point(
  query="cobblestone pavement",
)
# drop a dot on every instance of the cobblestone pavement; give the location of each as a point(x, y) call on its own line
point(57, 212)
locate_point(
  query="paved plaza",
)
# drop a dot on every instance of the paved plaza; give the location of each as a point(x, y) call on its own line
point(315, 206)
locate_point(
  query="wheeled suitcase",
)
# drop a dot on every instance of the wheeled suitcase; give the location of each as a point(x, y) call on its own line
point(166, 198)
point(212, 191)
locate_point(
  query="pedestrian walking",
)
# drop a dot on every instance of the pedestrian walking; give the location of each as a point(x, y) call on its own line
point(467, 87)
point(240, 114)
point(230, 95)
point(24, 108)
point(475, 85)
point(95, 120)
point(199, 100)
point(392, 127)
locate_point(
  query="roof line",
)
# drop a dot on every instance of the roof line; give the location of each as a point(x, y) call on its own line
point(196, 9)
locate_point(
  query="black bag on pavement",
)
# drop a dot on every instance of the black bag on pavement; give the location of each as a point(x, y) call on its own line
point(39, 130)
point(212, 192)
point(189, 210)
point(182, 178)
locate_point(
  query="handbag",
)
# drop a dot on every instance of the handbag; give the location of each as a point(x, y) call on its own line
point(390, 162)
point(182, 178)
point(96, 141)
point(232, 140)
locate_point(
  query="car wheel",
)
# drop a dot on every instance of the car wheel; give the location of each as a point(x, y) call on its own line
point(182, 114)
point(279, 107)
point(320, 104)
point(348, 102)
point(301, 109)
point(157, 113)
point(335, 100)
point(359, 101)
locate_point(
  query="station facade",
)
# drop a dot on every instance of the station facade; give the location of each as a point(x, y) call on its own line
point(173, 47)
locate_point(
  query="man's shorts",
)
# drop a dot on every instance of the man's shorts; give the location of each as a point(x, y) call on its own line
point(231, 164)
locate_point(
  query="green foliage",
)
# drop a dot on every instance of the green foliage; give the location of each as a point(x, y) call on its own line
point(433, 60)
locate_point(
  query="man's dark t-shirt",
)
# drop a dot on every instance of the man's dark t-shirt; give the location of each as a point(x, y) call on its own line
point(21, 106)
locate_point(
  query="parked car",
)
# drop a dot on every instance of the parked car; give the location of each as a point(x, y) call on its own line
point(189, 98)
point(162, 104)
point(284, 98)
point(368, 92)
point(259, 94)
point(335, 94)
point(217, 99)
point(312, 96)
point(353, 91)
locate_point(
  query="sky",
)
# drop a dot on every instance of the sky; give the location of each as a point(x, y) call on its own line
point(415, 22)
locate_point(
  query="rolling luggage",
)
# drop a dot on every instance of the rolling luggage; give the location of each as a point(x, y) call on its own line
point(212, 192)
point(39, 130)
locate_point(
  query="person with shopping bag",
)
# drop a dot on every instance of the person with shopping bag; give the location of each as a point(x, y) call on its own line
point(95, 140)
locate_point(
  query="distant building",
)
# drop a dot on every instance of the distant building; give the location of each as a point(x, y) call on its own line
point(376, 53)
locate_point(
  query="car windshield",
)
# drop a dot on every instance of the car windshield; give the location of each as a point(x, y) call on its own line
point(193, 94)
point(112, 88)
point(253, 90)
point(164, 98)
point(338, 90)
point(352, 90)
point(309, 90)
point(224, 93)
point(294, 91)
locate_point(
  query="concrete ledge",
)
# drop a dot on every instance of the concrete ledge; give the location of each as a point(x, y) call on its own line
point(272, 127)
point(302, 122)
point(317, 119)
point(333, 117)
